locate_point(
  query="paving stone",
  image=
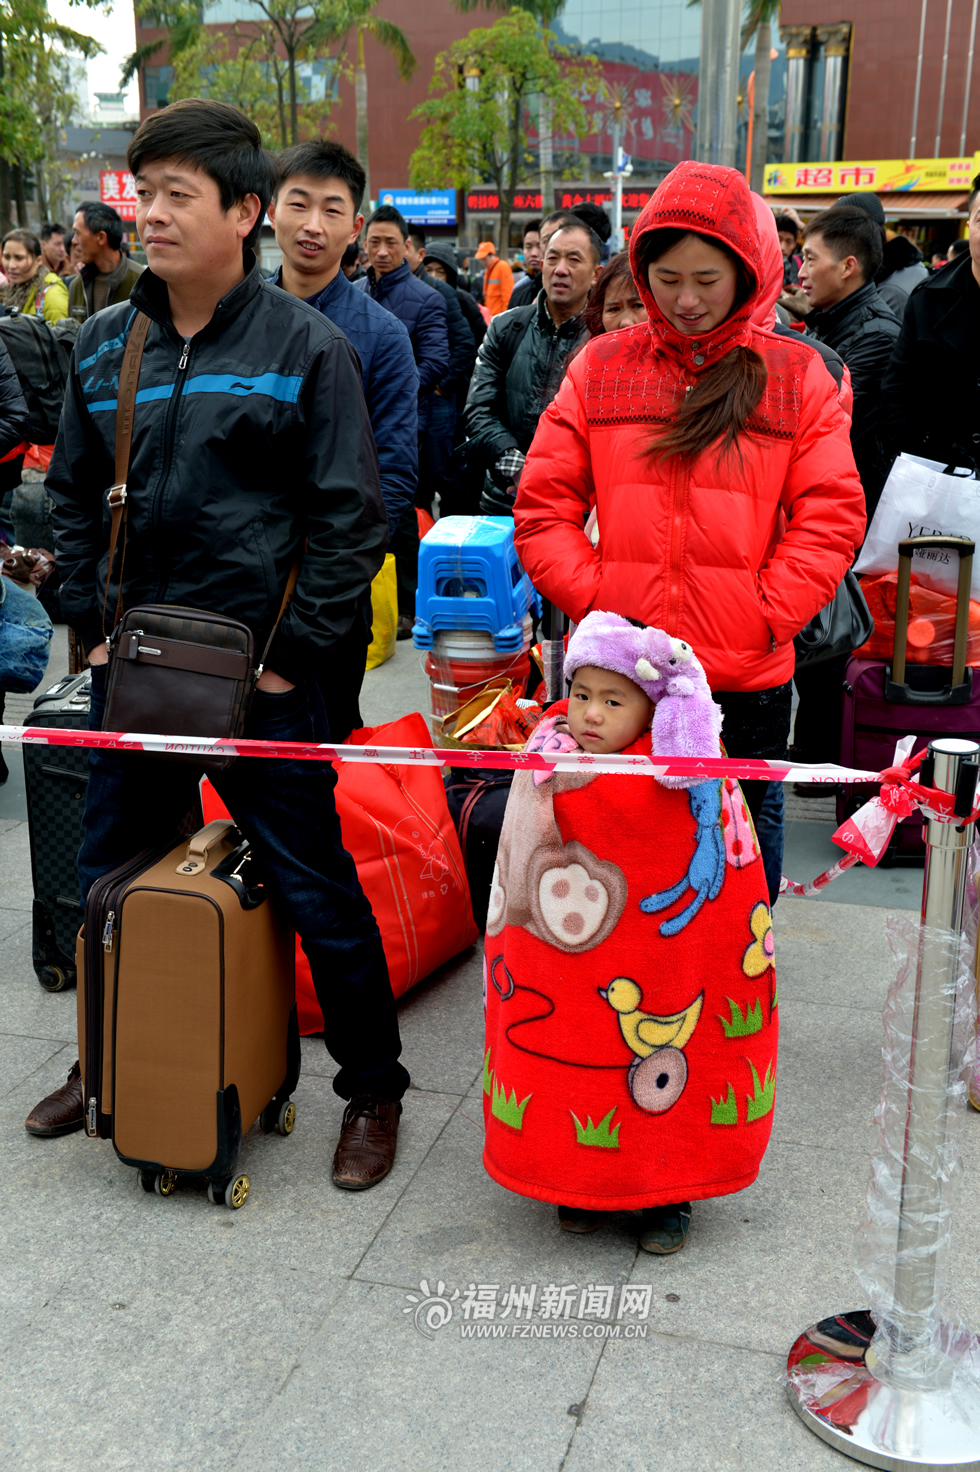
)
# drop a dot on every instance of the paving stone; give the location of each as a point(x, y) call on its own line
point(370, 1391)
point(681, 1405)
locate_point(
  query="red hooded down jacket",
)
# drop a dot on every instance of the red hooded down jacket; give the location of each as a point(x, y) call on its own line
point(733, 555)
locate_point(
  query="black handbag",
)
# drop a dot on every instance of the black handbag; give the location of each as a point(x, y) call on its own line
point(838, 629)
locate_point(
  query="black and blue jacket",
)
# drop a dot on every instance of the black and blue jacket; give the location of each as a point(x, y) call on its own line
point(250, 441)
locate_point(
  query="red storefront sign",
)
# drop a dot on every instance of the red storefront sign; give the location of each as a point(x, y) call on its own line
point(480, 200)
point(484, 199)
point(117, 188)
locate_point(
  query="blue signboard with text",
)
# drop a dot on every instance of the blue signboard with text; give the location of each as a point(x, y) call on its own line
point(422, 207)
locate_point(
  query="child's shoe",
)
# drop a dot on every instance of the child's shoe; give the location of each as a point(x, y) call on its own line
point(578, 1219)
point(664, 1229)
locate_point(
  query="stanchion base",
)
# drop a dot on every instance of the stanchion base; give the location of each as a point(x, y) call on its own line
point(836, 1395)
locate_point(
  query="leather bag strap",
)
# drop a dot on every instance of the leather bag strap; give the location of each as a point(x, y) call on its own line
point(287, 598)
point(129, 378)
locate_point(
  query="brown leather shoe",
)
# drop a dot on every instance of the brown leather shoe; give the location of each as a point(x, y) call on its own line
point(366, 1149)
point(61, 1112)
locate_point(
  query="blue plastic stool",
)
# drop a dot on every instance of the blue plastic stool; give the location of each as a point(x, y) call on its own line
point(470, 578)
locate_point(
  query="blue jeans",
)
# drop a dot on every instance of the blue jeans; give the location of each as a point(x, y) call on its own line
point(286, 810)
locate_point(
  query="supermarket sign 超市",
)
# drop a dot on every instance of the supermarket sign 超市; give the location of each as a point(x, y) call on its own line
point(883, 176)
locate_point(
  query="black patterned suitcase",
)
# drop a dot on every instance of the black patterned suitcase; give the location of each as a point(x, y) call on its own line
point(56, 778)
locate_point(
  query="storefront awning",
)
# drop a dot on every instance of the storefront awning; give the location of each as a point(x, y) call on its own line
point(906, 206)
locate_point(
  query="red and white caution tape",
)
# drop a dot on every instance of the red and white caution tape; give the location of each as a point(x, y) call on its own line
point(747, 769)
point(808, 891)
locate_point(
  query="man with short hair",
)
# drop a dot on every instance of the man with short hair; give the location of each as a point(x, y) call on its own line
point(462, 346)
point(522, 361)
point(498, 279)
point(931, 393)
point(251, 453)
point(789, 245)
point(315, 212)
point(390, 282)
point(437, 475)
point(841, 253)
point(106, 276)
point(53, 247)
point(598, 220)
point(524, 293)
point(350, 263)
point(902, 266)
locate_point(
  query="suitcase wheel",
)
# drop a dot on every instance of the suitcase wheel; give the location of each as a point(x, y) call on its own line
point(233, 1192)
point(158, 1182)
point(54, 979)
point(276, 1116)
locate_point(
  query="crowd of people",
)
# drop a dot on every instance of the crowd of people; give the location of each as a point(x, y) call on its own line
point(691, 435)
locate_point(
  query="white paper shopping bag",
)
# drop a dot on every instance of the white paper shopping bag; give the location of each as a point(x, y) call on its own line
point(921, 502)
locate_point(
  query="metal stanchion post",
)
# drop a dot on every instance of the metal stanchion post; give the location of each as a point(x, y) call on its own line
point(553, 652)
point(900, 1410)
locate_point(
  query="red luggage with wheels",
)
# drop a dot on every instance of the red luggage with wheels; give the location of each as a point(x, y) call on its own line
point(395, 823)
point(883, 702)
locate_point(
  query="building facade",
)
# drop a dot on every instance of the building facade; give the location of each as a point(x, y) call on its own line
point(649, 59)
point(900, 99)
point(843, 86)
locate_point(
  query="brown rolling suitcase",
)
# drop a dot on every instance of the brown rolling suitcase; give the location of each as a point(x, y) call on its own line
point(187, 1026)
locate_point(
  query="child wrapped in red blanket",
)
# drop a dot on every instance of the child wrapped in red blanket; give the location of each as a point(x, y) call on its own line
point(630, 987)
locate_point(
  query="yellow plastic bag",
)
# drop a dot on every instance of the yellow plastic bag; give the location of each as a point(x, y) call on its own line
point(384, 614)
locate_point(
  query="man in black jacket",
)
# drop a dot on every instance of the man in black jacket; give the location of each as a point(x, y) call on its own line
point(931, 392)
point(902, 266)
point(436, 475)
point(251, 452)
point(522, 361)
point(390, 281)
point(523, 294)
point(841, 253)
point(440, 261)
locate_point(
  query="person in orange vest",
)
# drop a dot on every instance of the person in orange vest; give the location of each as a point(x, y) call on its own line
point(498, 279)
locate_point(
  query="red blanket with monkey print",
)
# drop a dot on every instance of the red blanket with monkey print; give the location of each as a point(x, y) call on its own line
point(630, 990)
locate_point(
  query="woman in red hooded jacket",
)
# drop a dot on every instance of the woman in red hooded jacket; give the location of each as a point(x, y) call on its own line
point(718, 457)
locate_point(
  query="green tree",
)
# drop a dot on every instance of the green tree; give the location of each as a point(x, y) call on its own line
point(759, 18)
point(278, 38)
point(35, 98)
point(476, 114)
point(544, 12)
point(234, 68)
point(182, 20)
point(357, 17)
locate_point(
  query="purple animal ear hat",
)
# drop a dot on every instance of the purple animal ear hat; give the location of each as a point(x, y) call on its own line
point(686, 721)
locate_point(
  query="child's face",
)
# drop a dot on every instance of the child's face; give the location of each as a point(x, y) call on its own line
point(606, 711)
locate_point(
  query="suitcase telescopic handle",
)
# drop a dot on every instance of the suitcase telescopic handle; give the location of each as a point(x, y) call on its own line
point(965, 548)
point(205, 838)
